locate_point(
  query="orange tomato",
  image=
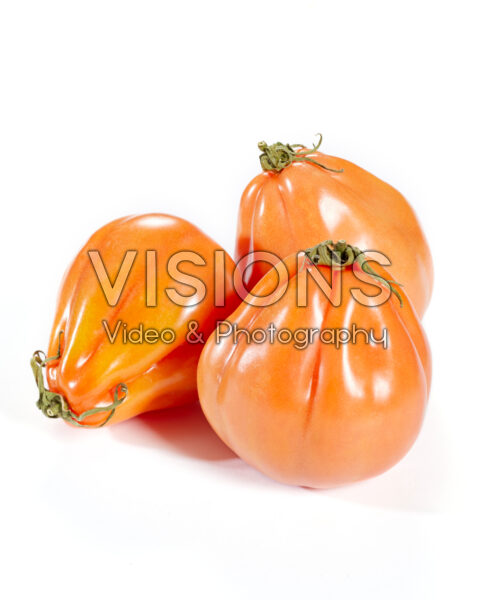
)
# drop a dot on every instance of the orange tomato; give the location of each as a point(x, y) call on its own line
point(294, 202)
point(327, 413)
point(92, 379)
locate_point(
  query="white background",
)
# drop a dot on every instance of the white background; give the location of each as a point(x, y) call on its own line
point(113, 108)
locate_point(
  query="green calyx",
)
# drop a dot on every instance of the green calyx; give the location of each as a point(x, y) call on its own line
point(54, 405)
point(342, 255)
point(278, 156)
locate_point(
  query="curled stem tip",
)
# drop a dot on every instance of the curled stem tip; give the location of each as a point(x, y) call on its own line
point(53, 405)
point(341, 254)
point(278, 156)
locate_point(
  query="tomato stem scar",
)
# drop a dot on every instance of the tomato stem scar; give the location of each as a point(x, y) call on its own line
point(278, 156)
point(54, 405)
point(342, 255)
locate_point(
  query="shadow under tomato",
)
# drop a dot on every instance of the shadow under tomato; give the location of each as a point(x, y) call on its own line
point(185, 429)
point(416, 484)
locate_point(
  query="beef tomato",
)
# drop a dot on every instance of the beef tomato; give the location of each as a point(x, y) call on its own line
point(98, 371)
point(303, 196)
point(335, 410)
